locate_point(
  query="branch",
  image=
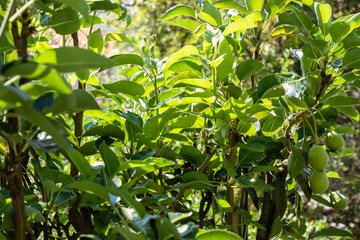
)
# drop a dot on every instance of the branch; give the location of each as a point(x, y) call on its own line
point(201, 169)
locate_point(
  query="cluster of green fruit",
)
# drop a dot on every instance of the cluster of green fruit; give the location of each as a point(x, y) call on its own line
point(318, 159)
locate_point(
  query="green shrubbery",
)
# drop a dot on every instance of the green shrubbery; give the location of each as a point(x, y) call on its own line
point(209, 142)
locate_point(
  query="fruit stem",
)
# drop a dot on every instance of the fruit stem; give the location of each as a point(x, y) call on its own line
point(312, 131)
point(316, 133)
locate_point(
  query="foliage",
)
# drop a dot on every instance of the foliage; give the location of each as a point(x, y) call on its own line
point(205, 143)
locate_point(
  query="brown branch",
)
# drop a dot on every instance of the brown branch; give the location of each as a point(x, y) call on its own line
point(201, 169)
point(230, 196)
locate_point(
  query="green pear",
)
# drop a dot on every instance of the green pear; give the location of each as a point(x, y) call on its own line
point(319, 182)
point(318, 157)
point(338, 201)
point(334, 141)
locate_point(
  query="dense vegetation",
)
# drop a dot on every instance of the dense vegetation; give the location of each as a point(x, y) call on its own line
point(228, 131)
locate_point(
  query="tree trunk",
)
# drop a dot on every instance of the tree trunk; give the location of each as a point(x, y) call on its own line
point(17, 197)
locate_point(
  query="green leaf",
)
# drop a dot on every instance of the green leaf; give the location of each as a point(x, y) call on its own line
point(276, 229)
point(11, 96)
point(297, 103)
point(125, 197)
point(35, 71)
point(296, 162)
point(225, 67)
point(78, 5)
point(347, 77)
point(254, 4)
point(334, 232)
point(341, 101)
point(249, 182)
point(154, 126)
point(288, 19)
point(282, 31)
point(126, 87)
point(229, 4)
point(304, 19)
point(352, 58)
point(321, 200)
point(198, 180)
point(122, 59)
point(92, 188)
point(74, 59)
point(81, 163)
point(28, 113)
point(271, 85)
point(107, 5)
point(332, 174)
point(34, 215)
point(217, 234)
point(223, 204)
point(185, 51)
point(108, 130)
point(264, 169)
point(96, 41)
point(240, 25)
point(211, 14)
point(251, 151)
point(313, 82)
point(272, 126)
point(198, 83)
point(316, 49)
point(352, 40)
point(127, 234)
point(192, 155)
point(178, 10)
point(339, 30)
point(78, 101)
point(65, 21)
point(275, 6)
point(110, 159)
point(324, 17)
point(118, 38)
point(354, 21)
point(345, 130)
point(184, 66)
point(351, 112)
point(248, 68)
point(188, 121)
point(185, 23)
point(256, 16)
point(244, 117)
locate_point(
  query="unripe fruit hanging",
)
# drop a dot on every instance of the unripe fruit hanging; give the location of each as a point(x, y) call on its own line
point(338, 201)
point(334, 141)
point(318, 157)
point(319, 182)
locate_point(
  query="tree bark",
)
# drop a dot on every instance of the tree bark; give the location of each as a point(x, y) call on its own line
point(17, 196)
point(230, 197)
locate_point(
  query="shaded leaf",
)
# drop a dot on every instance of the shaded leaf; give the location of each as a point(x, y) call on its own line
point(81, 163)
point(247, 68)
point(126, 87)
point(110, 159)
point(334, 232)
point(92, 188)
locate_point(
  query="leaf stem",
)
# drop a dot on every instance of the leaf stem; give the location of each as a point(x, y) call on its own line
point(10, 9)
